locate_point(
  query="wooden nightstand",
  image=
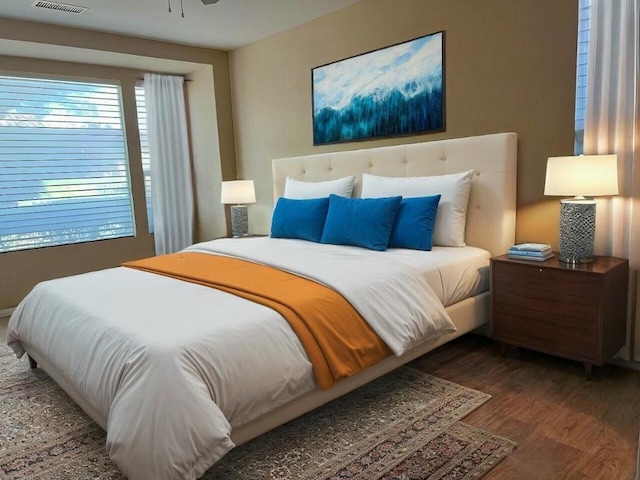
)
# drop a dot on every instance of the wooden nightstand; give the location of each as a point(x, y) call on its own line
point(251, 235)
point(572, 311)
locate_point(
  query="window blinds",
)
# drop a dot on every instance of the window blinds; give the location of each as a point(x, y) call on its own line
point(64, 174)
point(144, 146)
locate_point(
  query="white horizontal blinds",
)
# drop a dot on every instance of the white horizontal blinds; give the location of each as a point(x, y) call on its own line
point(63, 164)
point(144, 145)
point(584, 25)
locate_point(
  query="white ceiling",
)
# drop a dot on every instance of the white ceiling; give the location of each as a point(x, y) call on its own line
point(226, 25)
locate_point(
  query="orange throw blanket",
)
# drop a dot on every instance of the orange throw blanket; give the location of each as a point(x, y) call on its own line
point(338, 341)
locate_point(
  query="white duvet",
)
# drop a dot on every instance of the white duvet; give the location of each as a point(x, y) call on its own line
point(169, 367)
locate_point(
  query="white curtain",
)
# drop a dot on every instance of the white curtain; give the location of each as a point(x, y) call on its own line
point(611, 126)
point(171, 189)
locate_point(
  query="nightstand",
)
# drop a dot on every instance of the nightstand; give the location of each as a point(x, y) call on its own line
point(250, 235)
point(572, 311)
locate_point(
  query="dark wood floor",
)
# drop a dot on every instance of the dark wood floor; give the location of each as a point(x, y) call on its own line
point(566, 427)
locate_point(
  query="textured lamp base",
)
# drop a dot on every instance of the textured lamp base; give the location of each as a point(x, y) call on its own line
point(577, 231)
point(239, 221)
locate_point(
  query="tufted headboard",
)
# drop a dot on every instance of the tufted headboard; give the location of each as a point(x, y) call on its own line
point(491, 215)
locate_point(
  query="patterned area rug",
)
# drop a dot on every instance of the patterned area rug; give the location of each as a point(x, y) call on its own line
point(404, 426)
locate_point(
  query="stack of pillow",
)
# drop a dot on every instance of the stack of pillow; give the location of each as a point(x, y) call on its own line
point(393, 212)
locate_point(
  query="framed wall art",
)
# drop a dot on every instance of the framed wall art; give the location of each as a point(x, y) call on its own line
point(396, 90)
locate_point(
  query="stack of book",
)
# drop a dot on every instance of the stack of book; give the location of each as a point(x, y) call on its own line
point(538, 252)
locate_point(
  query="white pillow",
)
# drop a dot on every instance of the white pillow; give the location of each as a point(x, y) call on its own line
point(452, 209)
point(297, 189)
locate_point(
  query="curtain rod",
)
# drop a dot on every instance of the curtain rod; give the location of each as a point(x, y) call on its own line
point(185, 78)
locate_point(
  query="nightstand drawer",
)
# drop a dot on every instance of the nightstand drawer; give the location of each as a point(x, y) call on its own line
point(557, 333)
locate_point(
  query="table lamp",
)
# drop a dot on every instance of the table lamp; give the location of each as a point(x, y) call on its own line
point(581, 176)
point(238, 193)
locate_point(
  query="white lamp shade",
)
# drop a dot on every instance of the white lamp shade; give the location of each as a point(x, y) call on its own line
point(585, 175)
point(238, 192)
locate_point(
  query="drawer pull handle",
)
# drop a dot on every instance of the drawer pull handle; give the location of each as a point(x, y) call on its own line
point(540, 269)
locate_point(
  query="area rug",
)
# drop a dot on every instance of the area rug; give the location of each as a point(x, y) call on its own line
point(404, 426)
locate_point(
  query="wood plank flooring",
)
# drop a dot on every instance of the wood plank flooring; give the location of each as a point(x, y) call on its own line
point(566, 427)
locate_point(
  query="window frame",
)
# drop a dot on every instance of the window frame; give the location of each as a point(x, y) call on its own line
point(147, 191)
point(131, 144)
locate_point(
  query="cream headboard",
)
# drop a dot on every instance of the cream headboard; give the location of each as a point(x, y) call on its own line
point(491, 215)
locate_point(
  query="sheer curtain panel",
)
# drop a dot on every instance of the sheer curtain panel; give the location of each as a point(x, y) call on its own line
point(611, 126)
point(171, 188)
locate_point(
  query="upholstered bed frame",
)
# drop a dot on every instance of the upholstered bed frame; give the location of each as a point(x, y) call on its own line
point(490, 225)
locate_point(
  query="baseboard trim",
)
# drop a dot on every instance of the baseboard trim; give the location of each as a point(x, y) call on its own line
point(6, 312)
point(631, 365)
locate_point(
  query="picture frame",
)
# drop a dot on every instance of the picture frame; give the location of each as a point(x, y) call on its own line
point(392, 91)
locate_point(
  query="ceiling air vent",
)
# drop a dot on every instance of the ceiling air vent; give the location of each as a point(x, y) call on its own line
point(61, 7)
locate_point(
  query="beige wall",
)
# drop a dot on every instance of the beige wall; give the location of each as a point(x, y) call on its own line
point(510, 66)
point(37, 48)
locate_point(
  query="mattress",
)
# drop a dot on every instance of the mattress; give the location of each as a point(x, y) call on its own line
point(454, 273)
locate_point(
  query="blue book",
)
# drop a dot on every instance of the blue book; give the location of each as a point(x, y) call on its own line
point(530, 247)
point(529, 253)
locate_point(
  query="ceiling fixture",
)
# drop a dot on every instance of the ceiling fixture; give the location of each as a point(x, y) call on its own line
point(181, 7)
point(206, 2)
point(61, 7)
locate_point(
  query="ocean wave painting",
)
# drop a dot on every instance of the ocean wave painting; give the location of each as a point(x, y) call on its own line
point(397, 90)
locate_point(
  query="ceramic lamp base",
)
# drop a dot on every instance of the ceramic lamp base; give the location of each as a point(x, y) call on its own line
point(239, 221)
point(577, 230)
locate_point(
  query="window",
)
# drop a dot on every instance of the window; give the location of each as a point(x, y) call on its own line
point(144, 145)
point(584, 25)
point(64, 174)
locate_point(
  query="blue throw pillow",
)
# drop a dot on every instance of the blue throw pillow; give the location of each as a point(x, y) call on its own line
point(363, 222)
point(303, 219)
point(414, 223)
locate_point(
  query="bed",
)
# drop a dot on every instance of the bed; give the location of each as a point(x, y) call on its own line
point(119, 360)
